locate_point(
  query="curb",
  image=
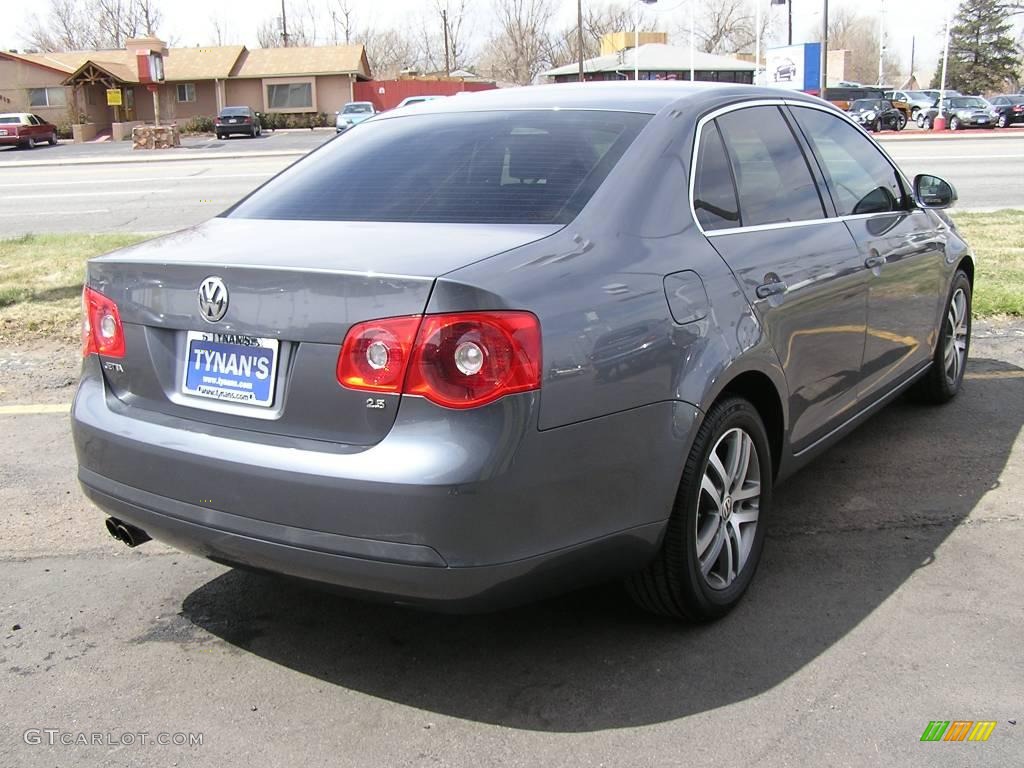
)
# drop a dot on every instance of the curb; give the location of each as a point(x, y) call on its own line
point(975, 133)
point(151, 159)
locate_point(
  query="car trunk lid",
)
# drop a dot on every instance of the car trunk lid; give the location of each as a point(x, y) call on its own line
point(293, 289)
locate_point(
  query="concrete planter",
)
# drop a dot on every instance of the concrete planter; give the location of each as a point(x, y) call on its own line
point(83, 133)
point(123, 131)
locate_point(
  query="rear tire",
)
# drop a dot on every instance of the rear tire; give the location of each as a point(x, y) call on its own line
point(715, 534)
point(31, 143)
point(1003, 122)
point(943, 380)
point(901, 122)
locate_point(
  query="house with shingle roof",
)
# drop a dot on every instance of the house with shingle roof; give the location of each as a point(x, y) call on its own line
point(198, 81)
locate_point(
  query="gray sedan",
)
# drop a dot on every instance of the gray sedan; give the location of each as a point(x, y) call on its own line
point(508, 344)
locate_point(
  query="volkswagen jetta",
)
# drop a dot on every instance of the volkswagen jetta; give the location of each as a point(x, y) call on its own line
point(507, 344)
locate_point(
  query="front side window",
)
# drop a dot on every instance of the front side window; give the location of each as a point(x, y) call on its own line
point(714, 193)
point(47, 97)
point(772, 175)
point(290, 96)
point(186, 92)
point(525, 167)
point(859, 177)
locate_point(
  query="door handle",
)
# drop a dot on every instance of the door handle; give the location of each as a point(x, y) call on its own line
point(765, 290)
point(873, 262)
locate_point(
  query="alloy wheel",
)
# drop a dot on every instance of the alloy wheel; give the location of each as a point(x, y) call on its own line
point(955, 352)
point(727, 508)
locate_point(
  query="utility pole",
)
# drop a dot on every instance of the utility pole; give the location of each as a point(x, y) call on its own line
point(284, 25)
point(881, 42)
point(579, 35)
point(789, 6)
point(913, 52)
point(757, 39)
point(447, 62)
point(824, 51)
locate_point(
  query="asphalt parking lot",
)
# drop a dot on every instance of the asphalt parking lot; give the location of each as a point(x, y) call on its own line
point(891, 594)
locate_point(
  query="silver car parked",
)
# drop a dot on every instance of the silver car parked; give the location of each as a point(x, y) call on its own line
point(508, 344)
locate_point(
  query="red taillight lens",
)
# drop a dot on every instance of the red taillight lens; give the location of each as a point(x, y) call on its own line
point(375, 355)
point(468, 360)
point(1018, 108)
point(102, 332)
point(460, 360)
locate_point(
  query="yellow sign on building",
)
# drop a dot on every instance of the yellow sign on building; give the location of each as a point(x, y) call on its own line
point(113, 97)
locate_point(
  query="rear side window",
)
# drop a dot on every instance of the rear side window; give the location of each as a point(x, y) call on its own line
point(714, 194)
point(772, 175)
point(519, 167)
point(859, 177)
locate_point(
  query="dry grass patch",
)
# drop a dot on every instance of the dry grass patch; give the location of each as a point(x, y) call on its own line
point(41, 283)
point(998, 243)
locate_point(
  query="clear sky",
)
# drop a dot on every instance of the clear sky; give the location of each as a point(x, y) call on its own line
point(189, 21)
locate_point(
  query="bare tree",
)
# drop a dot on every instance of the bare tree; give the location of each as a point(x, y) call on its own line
point(849, 31)
point(519, 45)
point(432, 35)
point(85, 24)
point(728, 27)
point(220, 30)
point(563, 47)
point(343, 16)
point(302, 21)
point(388, 51)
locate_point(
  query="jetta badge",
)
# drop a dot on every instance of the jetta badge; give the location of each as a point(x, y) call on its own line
point(213, 299)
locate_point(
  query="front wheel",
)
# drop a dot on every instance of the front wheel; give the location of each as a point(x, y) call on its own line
point(946, 375)
point(954, 124)
point(53, 140)
point(1003, 122)
point(715, 534)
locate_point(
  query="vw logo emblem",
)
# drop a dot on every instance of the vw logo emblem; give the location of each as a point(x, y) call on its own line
point(213, 299)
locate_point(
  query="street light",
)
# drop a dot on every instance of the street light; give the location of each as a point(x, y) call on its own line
point(636, 39)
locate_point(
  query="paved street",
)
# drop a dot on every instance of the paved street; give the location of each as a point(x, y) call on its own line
point(891, 594)
point(107, 194)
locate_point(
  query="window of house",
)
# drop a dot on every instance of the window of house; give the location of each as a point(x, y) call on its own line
point(186, 92)
point(772, 174)
point(47, 97)
point(290, 96)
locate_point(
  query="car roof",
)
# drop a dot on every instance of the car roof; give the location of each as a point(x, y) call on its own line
point(626, 96)
point(14, 114)
point(240, 106)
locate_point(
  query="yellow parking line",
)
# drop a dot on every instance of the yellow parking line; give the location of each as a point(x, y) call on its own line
point(31, 410)
point(995, 375)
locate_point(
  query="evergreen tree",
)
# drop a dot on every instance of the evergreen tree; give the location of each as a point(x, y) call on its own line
point(983, 55)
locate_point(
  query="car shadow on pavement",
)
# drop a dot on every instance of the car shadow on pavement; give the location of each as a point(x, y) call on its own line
point(846, 533)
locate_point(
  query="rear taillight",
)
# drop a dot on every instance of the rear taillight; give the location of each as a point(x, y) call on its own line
point(460, 360)
point(246, 119)
point(1018, 107)
point(102, 332)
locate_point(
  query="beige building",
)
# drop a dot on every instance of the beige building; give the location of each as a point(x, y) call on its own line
point(198, 81)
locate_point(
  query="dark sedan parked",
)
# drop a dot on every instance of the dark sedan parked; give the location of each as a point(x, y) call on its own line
point(509, 343)
point(960, 112)
point(877, 115)
point(1008, 109)
point(240, 120)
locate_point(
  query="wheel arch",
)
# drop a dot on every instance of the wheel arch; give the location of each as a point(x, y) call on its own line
point(760, 390)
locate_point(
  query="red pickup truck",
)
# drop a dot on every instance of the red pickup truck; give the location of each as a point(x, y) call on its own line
point(26, 130)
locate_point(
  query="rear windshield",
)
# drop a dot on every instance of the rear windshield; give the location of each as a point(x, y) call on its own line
point(966, 103)
point(234, 111)
point(357, 108)
point(524, 167)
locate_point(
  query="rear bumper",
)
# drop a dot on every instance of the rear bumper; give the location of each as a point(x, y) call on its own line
point(9, 140)
point(461, 510)
point(402, 573)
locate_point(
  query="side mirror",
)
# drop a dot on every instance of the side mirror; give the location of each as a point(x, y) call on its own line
point(933, 192)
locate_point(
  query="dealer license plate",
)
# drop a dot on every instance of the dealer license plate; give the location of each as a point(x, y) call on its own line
point(230, 367)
